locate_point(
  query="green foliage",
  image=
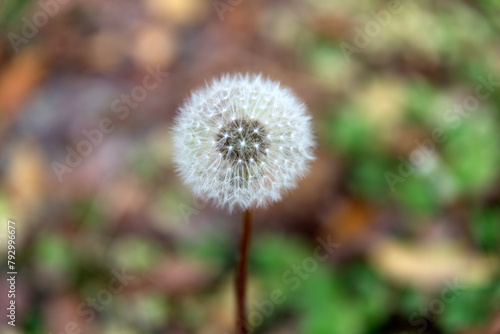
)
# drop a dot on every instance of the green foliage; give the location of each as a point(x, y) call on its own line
point(11, 12)
point(486, 229)
point(417, 194)
point(135, 253)
point(327, 300)
point(364, 177)
point(472, 308)
point(87, 213)
point(347, 131)
point(472, 152)
point(421, 102)
point(55, 251)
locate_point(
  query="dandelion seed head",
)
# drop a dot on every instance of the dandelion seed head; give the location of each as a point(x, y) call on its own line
point(252, 151)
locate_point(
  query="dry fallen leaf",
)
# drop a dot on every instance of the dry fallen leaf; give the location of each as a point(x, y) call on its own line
point(350, 220)
point(19, 78)
point(27, 175)
point(180, 276)
point(155, 45)
point(382, 102)
point(429, 265)
point(181, 11)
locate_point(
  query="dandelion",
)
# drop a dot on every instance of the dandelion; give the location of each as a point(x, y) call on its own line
point(242, 142)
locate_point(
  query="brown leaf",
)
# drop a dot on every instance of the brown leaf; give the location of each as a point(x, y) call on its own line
point(180, 276)
point(428, 265)
point(19, 78)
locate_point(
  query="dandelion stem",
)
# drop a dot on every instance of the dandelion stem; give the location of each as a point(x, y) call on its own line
point(241, 276)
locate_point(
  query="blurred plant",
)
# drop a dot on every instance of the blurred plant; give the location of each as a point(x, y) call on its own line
point(11, 11)
point(241, 142)
point(357, 290)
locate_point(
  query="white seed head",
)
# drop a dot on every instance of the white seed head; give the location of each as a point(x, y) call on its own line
point(258, 144)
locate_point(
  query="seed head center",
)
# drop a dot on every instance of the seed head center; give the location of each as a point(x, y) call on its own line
point(242, 140)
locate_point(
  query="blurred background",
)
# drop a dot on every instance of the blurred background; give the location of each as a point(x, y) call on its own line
point(395, 230)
